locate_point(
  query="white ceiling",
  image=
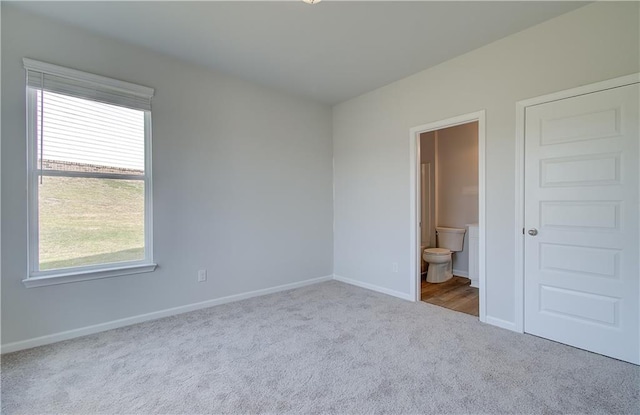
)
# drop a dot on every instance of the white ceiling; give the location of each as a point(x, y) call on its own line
point(330, 52)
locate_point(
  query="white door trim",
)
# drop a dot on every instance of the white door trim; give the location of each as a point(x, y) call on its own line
point(521, 107)
point(414, 189)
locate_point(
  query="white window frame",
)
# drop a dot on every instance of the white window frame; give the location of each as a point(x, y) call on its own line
point(35, 277)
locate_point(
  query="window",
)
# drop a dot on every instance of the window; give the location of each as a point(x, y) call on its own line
point(89, 172)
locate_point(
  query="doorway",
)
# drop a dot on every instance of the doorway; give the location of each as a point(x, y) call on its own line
point(455, 293)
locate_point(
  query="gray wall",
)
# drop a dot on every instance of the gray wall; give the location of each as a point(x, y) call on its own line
point(242, 184)
point(371, 139)
point(457, 197)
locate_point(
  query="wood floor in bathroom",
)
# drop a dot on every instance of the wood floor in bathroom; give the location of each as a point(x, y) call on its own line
point(456, 294)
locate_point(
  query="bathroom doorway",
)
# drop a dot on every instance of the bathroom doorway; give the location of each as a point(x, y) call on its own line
point(448, 221)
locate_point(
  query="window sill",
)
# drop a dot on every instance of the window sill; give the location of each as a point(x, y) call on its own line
point(86, 275)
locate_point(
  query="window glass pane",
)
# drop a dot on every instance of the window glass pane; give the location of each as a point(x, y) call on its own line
point(85, 221)
point(87, 136)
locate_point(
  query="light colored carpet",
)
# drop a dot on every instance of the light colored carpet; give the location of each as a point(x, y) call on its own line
point(327, 348)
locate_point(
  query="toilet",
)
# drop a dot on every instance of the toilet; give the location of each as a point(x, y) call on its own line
point(449, 240)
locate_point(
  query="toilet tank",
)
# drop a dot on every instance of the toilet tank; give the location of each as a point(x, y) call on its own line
point(450, 238)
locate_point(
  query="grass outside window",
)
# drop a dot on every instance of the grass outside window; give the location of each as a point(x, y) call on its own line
point(87, 221)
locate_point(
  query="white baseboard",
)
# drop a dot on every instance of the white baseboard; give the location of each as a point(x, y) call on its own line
point(504, 324)
point(96, 328)
point(372, 287)
point(460, 273)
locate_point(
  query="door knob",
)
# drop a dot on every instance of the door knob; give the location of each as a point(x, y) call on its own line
point(533, 232)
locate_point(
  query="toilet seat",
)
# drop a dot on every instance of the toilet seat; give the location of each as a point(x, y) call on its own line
point(439, 260)
point(437, 251)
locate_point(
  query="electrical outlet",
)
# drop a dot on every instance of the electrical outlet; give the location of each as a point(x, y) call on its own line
point(202, 275)
point(394, 267)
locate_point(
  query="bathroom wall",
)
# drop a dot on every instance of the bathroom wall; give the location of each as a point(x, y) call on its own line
point(457, 184)
point(428, 155)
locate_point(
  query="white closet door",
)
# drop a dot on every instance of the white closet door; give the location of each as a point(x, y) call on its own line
point(581, 197)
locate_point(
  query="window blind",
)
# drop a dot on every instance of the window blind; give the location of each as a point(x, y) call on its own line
point(47, 77)
point(81, 135)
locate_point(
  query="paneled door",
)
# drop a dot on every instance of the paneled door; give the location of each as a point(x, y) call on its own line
point(581, 222)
